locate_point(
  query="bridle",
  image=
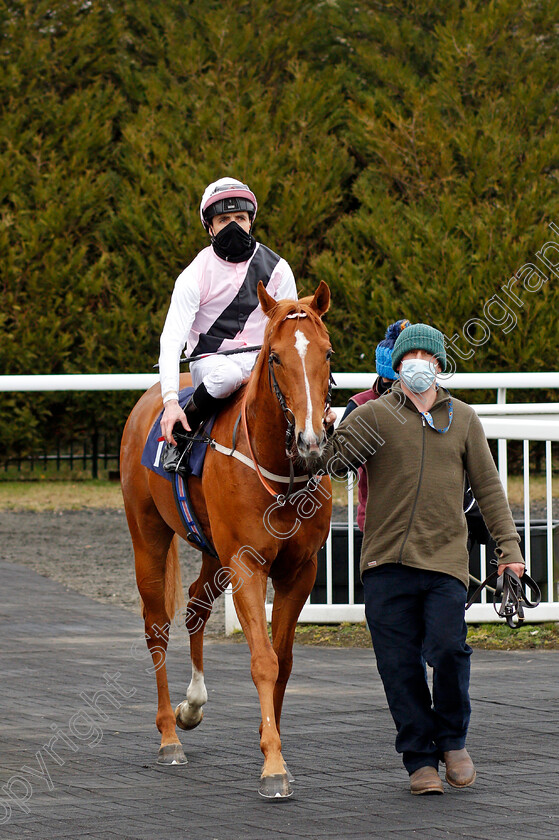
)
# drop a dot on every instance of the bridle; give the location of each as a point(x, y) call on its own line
point(281, 498)
point(287, 413)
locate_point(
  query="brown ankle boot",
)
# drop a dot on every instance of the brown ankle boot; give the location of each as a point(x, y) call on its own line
point(425, 780)
point(460, 770)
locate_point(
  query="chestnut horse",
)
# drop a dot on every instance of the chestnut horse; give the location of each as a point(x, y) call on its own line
point(255, 532)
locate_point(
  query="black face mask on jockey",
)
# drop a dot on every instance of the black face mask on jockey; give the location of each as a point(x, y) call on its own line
point(233, 244)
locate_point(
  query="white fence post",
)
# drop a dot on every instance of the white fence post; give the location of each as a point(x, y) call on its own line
point(552, 584)
point(502, 447)
point(232, 622)
point(527, 530)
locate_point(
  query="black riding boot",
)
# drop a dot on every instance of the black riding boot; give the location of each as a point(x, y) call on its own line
point(199, 408)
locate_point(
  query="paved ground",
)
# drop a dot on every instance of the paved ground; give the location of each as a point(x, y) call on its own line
point(91, 551)
point(79, 739)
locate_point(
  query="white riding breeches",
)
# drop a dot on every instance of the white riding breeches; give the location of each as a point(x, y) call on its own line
point(222, 374)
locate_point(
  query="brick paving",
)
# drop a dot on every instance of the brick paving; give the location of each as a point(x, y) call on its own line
point(75, 669)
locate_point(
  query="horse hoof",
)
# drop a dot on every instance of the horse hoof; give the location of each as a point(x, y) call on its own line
point(289, 774)
point(171, 754)
point(290, 777)
point(187, 716)
point(275, 787)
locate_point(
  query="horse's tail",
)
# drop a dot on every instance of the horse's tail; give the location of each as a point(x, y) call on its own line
point(174, 596)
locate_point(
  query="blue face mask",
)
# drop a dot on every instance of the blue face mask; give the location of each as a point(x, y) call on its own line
point(417, 374)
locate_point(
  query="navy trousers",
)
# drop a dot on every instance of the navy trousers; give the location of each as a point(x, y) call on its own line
point(417, 616)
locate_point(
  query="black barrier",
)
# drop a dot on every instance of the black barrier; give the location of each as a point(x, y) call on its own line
point(70, 455)
point(339, 568)
point(538, 559)
point(538, 562)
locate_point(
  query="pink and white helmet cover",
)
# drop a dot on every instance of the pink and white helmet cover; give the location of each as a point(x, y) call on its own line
point(225, 188)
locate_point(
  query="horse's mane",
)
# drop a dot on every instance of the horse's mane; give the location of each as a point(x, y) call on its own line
point(283, 311)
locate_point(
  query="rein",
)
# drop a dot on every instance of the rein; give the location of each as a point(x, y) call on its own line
point(263, 474)
point(232, 452)
point(509, 597)
point(310, 479)
point(287, 413)
point(280, 498)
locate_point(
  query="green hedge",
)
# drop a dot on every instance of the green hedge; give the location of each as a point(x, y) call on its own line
point(407, 153)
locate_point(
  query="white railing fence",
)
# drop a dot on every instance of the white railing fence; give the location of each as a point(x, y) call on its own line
point(501, 420)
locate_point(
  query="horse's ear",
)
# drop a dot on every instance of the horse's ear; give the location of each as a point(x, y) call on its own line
point(267, 302)
point(321, 300)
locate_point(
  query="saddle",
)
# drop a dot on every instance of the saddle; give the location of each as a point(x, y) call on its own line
point(153, 449)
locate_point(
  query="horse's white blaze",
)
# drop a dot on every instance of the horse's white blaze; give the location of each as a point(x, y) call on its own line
point(196, 693)
point(301, 344)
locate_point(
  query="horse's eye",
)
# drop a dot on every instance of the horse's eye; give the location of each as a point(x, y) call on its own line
point(275, 358)
point(329, 354)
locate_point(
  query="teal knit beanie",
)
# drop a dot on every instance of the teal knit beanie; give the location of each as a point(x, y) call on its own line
point(419, 337)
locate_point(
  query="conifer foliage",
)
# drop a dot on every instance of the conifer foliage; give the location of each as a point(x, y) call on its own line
point(405, 152)
point(454, 130)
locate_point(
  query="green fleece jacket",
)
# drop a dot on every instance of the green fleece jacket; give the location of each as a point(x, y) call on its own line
point(414, 511)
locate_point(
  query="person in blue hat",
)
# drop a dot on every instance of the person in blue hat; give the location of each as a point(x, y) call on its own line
point(382, 384)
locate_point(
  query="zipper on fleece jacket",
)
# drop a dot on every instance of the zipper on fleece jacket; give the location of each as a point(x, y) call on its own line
point(406, 535)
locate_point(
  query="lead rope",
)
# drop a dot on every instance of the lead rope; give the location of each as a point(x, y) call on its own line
point(509, 597)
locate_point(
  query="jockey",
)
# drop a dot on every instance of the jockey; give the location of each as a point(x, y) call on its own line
point(214, 307)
